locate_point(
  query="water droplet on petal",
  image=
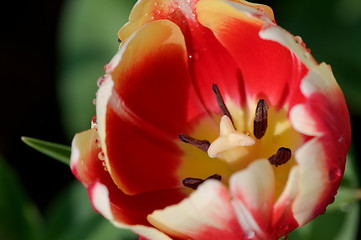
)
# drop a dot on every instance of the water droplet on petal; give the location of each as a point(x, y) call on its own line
point(261, 10)
point(94, 121)
point(157, 12)
point(194, 56)
point(171, 10)
point(100, 81)
point(306, 54)
point(101, 156)
point(97, 143)
point(284, 228)
point(249, 234)
point(298, 39)
point(334, 174)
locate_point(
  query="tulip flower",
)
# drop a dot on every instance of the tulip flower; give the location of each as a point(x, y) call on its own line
point(212, 122)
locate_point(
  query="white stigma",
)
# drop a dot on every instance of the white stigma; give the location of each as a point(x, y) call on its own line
point(229, 139)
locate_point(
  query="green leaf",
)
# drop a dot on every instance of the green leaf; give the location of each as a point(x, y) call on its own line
point(19, 217)
point(71, 217)
point(57, 151)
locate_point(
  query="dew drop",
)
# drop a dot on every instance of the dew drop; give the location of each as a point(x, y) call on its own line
point(194, 56)
point(101, 156)
point(248, 133)
point(157, 12)
point(100, 81)
point(261, 10)
point(97, 143)
point(284, 228)
point(248, 234)
point(106, 169)
point(306, 54)
point(94, 121)
point(334, 174)
point(171, 10)
point(298, 39)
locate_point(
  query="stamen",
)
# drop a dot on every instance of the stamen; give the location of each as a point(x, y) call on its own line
point(195, 182)
point(220, 102)
point(260, 120)
point(201, 144)
point(215, 176)
point(192, 182)
point(282, 156)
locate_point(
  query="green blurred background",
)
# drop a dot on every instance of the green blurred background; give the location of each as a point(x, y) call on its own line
point(52, 52)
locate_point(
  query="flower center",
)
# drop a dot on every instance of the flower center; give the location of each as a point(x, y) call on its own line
point(273, 138)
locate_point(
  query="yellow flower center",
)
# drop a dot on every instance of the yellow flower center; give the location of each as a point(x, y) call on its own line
point(245, 134)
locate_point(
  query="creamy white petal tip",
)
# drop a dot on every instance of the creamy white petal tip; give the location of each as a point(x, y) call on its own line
point(100, 200)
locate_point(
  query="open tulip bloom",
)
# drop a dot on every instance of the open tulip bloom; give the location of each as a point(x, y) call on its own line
point(212, 122)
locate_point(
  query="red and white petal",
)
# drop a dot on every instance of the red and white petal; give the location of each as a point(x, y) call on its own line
point(324, 111)
point(99, 196)
point(313, 180)
point(282, 216)
point(207, 214)
point(281, 36)
point(260, 8)
point(303, 122)
point(142, 107)
point(84, 153)
point(252, 191)
point(146, 11)
point(267, 69)
point(126, 209)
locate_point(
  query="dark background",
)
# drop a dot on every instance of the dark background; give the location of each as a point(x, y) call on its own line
point(28, 97)
point(29, 101)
